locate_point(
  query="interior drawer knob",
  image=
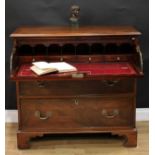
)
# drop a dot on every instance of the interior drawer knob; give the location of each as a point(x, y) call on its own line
point(42, 116)
point(61, 59)
point(76, 102)
point(112, 114)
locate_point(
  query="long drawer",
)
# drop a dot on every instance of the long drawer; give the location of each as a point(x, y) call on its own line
point(74, 113)
point(75, 88)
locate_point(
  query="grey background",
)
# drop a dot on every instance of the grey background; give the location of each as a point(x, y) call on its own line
point(93, 12)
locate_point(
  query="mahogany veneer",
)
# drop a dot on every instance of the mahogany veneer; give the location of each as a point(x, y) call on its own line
point(99, 98)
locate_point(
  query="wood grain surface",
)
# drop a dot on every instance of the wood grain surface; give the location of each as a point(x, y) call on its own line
point(68, 31)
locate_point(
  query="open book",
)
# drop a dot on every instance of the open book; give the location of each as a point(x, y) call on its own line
point(42, 67)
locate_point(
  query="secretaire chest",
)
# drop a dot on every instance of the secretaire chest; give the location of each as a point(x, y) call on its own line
point(99, 97)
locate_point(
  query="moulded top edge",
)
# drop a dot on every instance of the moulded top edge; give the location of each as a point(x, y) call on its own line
point(84, 31)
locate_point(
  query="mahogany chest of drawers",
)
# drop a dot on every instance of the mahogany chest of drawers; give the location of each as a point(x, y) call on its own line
point(99, 98)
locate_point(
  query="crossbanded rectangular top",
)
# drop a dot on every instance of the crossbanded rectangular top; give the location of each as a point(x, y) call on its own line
point(66, 31)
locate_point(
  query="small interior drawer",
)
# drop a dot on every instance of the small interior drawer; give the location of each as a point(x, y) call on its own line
point(55, 114)
point(76, 88)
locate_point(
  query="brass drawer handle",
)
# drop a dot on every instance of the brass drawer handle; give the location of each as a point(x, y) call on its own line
point(111, 83)
point(41, 84)
point(111, 114)
point(41, 116)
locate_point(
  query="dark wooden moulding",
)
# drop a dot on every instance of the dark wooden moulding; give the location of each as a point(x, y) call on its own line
point(104, 103)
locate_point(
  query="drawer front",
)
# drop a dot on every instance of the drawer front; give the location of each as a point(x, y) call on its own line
point(72, 88)
point(86, 112)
